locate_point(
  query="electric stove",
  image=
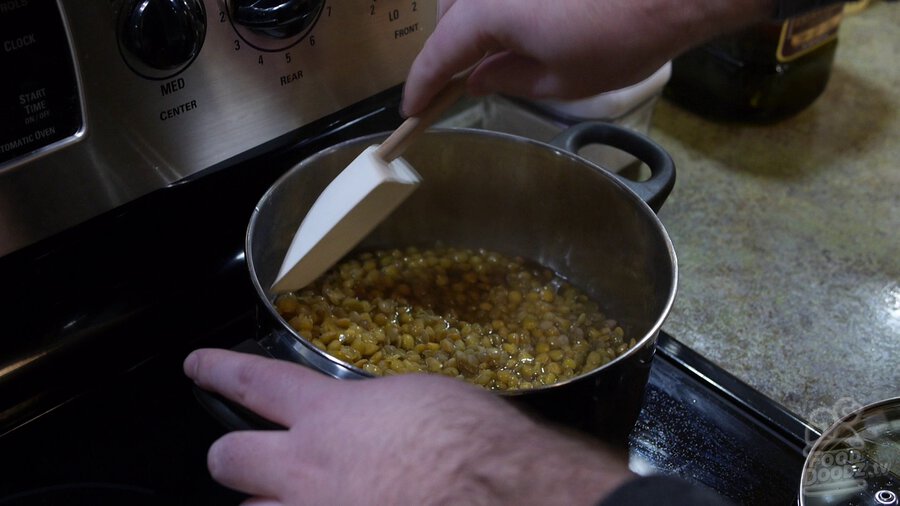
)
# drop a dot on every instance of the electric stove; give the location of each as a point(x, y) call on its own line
point(131, 157)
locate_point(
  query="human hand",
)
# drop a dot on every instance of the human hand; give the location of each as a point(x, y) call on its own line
point(564, 49)
point(407, 439)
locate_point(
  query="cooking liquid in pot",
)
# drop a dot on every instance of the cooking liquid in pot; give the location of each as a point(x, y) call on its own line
point(499, 322)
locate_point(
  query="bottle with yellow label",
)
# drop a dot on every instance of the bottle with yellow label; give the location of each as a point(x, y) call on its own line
point(762, 74)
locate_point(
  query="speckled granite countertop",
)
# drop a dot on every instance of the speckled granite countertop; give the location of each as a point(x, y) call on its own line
point(788, 235)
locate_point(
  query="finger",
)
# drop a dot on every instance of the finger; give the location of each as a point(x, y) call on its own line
point(275, 389)
point(455, 45)
point(252, 462)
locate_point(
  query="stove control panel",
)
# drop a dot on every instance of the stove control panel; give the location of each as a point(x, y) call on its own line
point(40, 103)
point(105, 101)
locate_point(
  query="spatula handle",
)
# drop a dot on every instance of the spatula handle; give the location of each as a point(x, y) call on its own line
point(399, 140)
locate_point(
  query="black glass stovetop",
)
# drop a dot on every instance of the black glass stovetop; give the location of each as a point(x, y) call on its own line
point(94, 324)
point(143, 438)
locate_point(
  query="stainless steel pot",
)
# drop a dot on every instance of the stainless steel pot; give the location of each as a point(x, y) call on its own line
point(519, 197)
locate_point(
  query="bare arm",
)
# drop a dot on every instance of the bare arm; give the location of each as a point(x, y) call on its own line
point(567, 48)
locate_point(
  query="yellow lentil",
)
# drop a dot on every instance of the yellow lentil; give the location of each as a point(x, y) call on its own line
point(495, 321)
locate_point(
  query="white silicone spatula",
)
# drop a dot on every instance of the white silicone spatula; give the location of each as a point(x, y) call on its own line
point(358, 199)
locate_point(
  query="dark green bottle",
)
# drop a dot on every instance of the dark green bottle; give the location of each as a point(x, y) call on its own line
point(762, 74)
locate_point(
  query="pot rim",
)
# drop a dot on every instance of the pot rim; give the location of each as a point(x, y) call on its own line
point(649, 336)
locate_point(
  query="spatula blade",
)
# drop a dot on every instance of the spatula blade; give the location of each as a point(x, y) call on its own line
point(350, 207)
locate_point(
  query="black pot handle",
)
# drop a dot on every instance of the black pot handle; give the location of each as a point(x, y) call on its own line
point(654, 190)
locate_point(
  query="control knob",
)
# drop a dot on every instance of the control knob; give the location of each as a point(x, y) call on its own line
point(160, 37)
point(280, 19)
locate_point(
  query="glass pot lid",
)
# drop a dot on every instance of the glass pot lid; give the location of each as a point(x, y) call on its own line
point(857, 460)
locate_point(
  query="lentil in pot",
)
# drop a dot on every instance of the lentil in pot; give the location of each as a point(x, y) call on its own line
point(499, 322)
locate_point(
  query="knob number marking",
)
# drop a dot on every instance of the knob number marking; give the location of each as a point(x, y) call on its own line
point(282, 57)
point(397, 15)
point(275, 37)
point(393, 14)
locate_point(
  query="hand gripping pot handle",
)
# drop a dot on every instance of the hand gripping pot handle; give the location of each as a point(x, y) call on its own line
point(654, 190)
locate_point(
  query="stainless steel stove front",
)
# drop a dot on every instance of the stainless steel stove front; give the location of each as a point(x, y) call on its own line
point(110, 100)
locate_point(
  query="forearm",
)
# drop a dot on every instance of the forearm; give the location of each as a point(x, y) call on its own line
point(681, 25)
point(571, 48)
point(702, 21)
